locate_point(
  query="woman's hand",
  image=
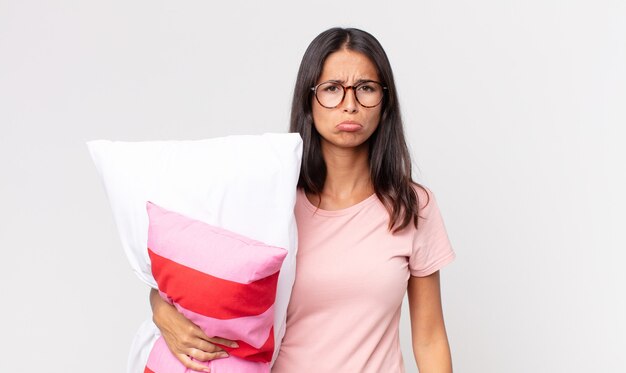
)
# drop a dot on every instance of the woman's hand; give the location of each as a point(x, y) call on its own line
point(184, 338)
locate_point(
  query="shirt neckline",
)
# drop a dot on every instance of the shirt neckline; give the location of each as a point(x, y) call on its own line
point(345, 211)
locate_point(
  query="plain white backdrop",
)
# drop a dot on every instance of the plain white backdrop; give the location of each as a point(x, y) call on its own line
point(515, 114)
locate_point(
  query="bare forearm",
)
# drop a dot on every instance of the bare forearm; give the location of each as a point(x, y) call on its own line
point(430, 340)
point(189, 344)
point(433, 357)
point(159, 306)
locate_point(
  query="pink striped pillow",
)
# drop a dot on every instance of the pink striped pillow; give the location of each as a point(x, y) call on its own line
point(225, 283)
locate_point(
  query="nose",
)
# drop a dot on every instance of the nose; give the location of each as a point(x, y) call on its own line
point(350, 105)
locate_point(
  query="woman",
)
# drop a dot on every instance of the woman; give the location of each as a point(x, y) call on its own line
point(361, 243)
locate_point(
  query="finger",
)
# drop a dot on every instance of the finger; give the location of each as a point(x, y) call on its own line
point(205, 346)
point(198, 332)
point(177, 348)
point(188, 341)
point(206, 356)
point(223, 341)
point(190, 364)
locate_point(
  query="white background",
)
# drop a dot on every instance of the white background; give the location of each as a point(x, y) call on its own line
point(515, 114)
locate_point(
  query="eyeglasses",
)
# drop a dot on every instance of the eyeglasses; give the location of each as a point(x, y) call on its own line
point(330, 94)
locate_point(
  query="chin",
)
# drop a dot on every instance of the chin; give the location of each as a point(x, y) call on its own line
point(347, 142)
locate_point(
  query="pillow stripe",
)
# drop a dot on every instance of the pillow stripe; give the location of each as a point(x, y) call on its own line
point(183, 284)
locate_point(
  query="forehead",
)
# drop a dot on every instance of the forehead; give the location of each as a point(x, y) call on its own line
point(348, 66)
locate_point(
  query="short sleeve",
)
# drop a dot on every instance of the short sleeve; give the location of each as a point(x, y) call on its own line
point(431, 249)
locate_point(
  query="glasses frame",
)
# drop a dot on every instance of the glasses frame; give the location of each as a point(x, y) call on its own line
point(345, 89)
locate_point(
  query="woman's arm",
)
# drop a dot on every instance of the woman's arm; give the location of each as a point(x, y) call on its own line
point(430, 341)
point(184, 338)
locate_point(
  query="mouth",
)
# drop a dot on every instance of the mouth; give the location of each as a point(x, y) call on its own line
point(349, 126)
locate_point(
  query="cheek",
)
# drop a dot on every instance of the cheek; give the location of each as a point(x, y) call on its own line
point(375, 118)
point(320, 116)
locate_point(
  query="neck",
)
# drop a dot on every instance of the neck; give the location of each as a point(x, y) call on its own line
point(347, 172)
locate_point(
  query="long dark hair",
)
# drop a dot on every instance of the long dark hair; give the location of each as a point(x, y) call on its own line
point(389, 159)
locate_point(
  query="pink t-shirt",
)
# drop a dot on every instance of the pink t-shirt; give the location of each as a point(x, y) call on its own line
point(351, 277)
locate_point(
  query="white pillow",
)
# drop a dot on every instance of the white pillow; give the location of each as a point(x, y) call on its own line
point(246, 184)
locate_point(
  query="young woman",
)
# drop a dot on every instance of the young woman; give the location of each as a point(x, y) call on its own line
point(367, 232)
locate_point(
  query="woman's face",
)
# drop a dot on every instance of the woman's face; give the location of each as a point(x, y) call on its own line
point(348, 125)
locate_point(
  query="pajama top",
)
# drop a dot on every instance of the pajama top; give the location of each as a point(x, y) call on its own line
point(351, 278)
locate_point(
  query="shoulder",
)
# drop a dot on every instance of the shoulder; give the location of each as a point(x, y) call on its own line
point(431, 246)
point(424, 195)
point(428, 208)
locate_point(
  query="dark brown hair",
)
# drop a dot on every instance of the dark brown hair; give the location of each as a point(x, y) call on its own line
point(389, 159)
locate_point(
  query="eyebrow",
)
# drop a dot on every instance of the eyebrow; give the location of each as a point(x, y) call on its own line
point(355, 83)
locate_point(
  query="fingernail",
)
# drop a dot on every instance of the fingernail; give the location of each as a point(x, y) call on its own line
point(234, 345)
point(207, 370)
point(223, 354)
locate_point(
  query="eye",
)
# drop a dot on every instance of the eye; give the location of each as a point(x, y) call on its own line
point(330, 88)
point(367, 87)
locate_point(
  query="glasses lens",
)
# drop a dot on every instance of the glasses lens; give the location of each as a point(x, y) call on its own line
point(369, 94)
point(329, 94)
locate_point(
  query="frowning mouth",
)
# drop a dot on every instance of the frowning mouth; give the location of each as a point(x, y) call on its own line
point(349, 126)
